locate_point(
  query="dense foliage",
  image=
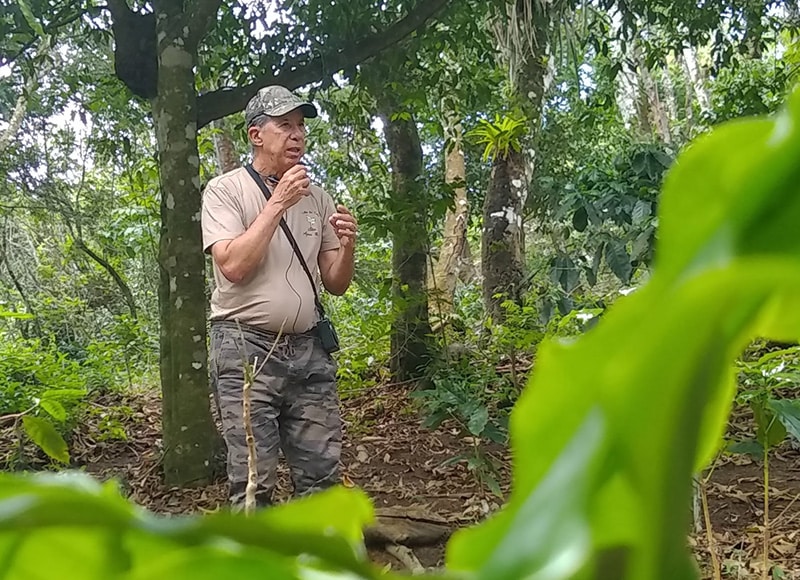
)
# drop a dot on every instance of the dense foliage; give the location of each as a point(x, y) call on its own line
point(655, 240)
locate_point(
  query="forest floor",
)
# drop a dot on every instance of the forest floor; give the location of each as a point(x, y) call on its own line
point(399, 465)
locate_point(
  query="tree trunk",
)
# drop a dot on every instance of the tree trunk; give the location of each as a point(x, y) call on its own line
point(189, 436)
point(657, 121)
point(501, 243)
point(4, 258)
point(524, 37)
point(410, 347)
point(41, 69)
point(753, 37)
point(227, 157)
point(669, 95)
point(454, 257)
point(696, 79)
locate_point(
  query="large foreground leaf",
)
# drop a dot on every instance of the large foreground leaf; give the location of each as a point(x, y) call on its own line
point(657, 369)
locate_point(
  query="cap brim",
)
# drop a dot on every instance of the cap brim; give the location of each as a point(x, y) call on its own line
point(309, 110)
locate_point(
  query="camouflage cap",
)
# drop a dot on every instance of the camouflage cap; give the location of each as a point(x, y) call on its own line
point(275, 101)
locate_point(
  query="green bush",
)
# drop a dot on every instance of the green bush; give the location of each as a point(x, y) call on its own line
point(28, 369)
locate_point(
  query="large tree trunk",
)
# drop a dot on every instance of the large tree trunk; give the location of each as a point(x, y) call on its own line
point(501, 243)
point(189, 436)
point(454, 257)
point(410, 347)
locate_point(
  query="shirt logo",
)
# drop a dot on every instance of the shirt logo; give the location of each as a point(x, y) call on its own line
point(311, 230)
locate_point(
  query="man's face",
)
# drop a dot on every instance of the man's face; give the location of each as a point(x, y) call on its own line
point(282, 140)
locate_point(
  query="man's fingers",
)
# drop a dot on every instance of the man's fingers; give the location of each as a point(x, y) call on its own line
point(342, 209)
point(298, 168)
point(342, 218)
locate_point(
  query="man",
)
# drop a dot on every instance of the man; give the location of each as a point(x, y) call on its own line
point(263, 289)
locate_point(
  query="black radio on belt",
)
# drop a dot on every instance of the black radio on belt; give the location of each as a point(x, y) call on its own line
point(327, 335)
point(325, 330)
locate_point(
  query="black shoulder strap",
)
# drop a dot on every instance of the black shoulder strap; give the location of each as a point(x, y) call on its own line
point(285, 227)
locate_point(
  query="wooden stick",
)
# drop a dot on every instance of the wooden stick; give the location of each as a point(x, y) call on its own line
point(712, 544)
point(406, 557)
point(250, 374)
point(252, 472)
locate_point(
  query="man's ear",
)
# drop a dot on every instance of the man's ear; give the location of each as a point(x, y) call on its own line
point(252, 134)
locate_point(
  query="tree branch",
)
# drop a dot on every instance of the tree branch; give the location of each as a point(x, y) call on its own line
point(200, 19)
point(223, 102)
point(123, 287)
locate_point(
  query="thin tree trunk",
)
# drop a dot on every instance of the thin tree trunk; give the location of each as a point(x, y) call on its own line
point(657, 120)
point(42, 68)
point(501, 244)
point(227, 157)
point(696, 79)
point(410, 346)
point(121, 284)
point(453, 263)
point(669, 95)
point(17, 285)
point(755, 29)
point(189, 436)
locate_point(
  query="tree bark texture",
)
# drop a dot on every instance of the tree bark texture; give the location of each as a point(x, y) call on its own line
point(695, 77)
point(454, 257)
point(501, 242)
point(189, 435)
point(652, 113)
point(524, 34)
point(227, 157)
point(410, 347)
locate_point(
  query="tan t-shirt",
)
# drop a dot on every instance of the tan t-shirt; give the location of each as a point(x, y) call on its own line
point(279, 289)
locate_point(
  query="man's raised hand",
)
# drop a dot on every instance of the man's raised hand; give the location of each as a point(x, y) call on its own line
point(345, 226)
point(292, 187)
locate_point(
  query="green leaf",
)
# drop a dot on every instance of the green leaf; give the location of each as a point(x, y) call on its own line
point(770, 431)
point(749, 447)
point(788, 413)
point(55, 409)
point(580, 219)
point(43, 434)
point(547, 531)
point(334, 511)
point(477, 421)
point(730, 274)
point(641, 211)
point(63, 394)
point(30, 18)
point(16, 315)
point(215, 563)
point(619, 261)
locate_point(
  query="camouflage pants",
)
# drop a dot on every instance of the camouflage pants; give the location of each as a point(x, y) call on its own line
point(294, 405)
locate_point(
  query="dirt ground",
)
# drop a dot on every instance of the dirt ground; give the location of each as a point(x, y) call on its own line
point(400, 465)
